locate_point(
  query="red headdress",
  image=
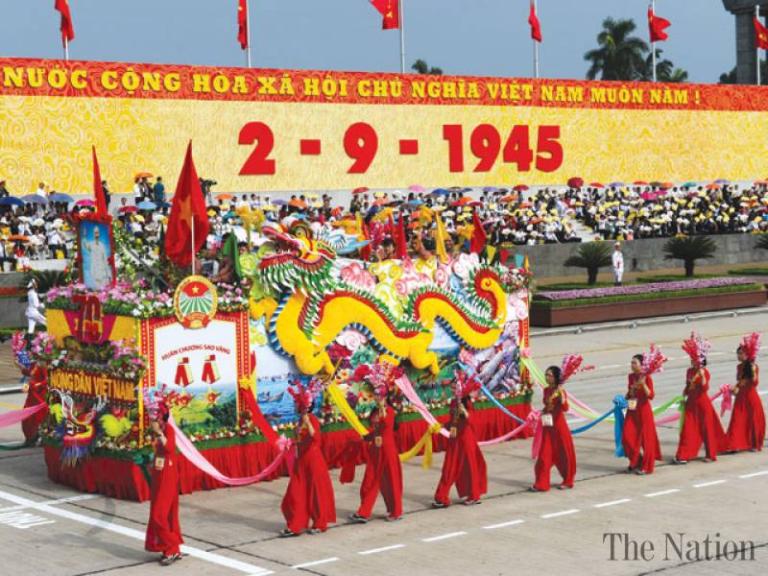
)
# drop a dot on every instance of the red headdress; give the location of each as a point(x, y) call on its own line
point(571, 364)
point(697, 348)
point(381, 375)
point(304, 396)
point(653, 361)
point(750, 345)
point(464, 384)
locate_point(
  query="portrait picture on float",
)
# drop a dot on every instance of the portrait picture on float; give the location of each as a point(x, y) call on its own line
point(96, 254)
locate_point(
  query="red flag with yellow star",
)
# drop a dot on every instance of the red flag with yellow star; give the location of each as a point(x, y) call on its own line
point(533, 20)
point(657, 26)
point(242, 23)
point(187, 210)
point(761, 35)
point(66, 26)
point(390, 11)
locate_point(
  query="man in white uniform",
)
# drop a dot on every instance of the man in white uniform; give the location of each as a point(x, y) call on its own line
point(34, 308)
point(618, 264)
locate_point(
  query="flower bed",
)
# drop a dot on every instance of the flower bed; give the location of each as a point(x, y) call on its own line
point(570, 307)
point(649, 291)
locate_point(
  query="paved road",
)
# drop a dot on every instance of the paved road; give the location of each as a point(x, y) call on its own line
point(48, 529)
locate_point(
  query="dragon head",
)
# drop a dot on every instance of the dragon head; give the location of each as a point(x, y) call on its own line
point(295, 259)
point(487, 284)
point(78, 428)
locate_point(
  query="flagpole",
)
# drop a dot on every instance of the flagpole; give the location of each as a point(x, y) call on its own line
point(757, 48)
point(535, 45)
point(653, 43)
point(248, 34)
point(66, 49)
point(402, 36)
point(192, 222)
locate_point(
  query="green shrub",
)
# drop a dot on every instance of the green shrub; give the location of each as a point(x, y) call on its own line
point(592, 256)
point(689, 249)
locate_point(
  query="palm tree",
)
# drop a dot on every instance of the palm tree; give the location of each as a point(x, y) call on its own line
point(762, 241)
point(665, 69)
point(592, 256)
point(689, 249)
point(620, 56)
point(421, 67)
point(730, 77)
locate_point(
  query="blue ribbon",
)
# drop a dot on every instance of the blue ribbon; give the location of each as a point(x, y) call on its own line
point(592, 424)
point(619, 405)
point(499, 405)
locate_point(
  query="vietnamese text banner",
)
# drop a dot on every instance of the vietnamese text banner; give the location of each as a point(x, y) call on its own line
point(267, 130)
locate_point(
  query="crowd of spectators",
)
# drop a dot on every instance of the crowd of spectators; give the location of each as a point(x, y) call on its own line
point(39, 225)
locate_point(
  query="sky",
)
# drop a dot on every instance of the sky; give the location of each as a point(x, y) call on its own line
point(464, 37)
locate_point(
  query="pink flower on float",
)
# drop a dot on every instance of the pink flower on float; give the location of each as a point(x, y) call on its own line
point(356, 275)
point(525, 352)
point(442, 276)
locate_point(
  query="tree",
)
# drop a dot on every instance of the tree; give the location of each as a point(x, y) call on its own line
point(620, 56)
point(762, 241)
point(730, 77)
point(665, 69)
point(592, 256)
point(678, 75)
point(689, 249)
point(421, 67)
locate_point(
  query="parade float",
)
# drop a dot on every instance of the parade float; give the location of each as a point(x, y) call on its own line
point(224, 355)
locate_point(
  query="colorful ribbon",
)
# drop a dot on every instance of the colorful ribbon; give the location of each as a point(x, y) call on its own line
point(619, 405)
point(410, 393)
point(499, 405)
point(727, 403)
point(188, 450)
point(16, 416)
point(424, 442)
point(533, 420)
point(340, 401)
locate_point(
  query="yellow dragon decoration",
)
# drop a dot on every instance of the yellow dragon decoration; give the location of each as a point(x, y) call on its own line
point(306, 306)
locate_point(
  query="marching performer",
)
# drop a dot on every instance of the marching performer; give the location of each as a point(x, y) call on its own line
point(383, 472)
point(309, 495)
point(37, 391)
point(556, 440)
point(746, 430)
point(639, 438)
point(464, 464)
point(163, 529)
point(701, 423)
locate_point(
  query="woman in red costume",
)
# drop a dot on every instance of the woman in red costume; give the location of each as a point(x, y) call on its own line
point(747, 428)
point(163, 530)
point(383, 472)
point(37, 390)
point(464, 464)
point(701, 424)
point(639, 438)
point(556, 440)
point(310, 492)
